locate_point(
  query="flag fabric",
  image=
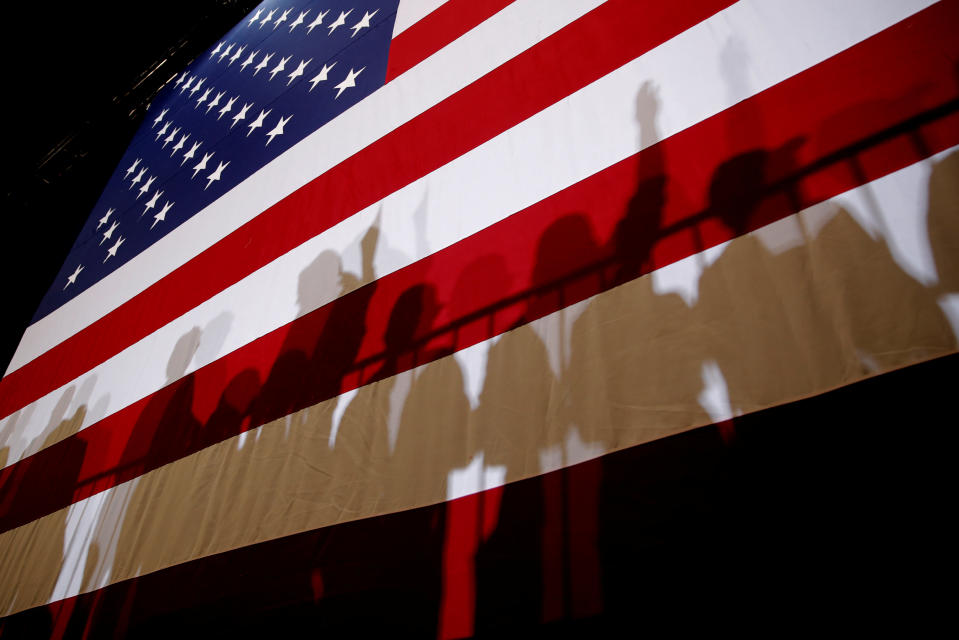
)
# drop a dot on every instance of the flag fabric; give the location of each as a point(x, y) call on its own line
point(427, 314)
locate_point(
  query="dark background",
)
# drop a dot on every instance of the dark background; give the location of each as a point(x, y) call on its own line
point(77, 79)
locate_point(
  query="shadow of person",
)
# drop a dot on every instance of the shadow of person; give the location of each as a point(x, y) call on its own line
point(46, 483)
point(629, 380)
point(391, 452)
point(321, 347)
point(634, 377)
point(523, 564)
point(744, 187)
point(317, 351)
point(292, 411)
point(370, 426)
point(164, 429)
point(832, 309)
point(943, 222)
point(791, 311)
point(61, 427)
point(786, 312)
point(10, 426)
point(232, 412)
point(167, 422)
point(638, 230)
point(42, 560)
point(288, 383)
point(468, 520)
point(412, 317)
point(637, 367)
point(433, 440)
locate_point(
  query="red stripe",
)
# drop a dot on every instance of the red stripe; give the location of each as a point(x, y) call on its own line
point(765, 498)
point(868, 111)
point(441, 27)
point(602, 40)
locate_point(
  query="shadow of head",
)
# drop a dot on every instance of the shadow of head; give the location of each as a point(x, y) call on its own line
point(319, 282)
point(740, 185)
point(480, 284)
point(182, 354)
point(567, 245)
point(412, 316)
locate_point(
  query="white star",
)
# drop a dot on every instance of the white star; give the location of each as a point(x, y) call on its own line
point(299, 20)
point(339, 21)
point(268, 17)
point(112, 251)
point(241, 114)
point(203, 98)
point(189, 154)
point(197, 86)
point(281, 19)
point(216, 174)
point(159, 118)
point(225, 53)
point(317, 22)
point(348, 83)
point(236, 56)
point(321, 76)
point(256, 124)
point(109, 232)
point(105, 218)
point(170, 138)
point(216, 50)
point(226, 108)
point(137, 177)
point(132, 168)
point(180, 79)
point(299, 70)
point(256, 16)
point(152, 201)
point(180, 143)
point(160, 217)
point(186, 85)
point(280, 66)
point(364, 23)
point(201, 165)
point(163, 130)
point(263, 63)
point(73, 277)
point(145, 187)
point(249, 60)
point(216, 101)
point(277, 130)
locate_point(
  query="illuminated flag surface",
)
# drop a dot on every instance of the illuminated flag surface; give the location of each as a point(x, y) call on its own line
point(403, 315)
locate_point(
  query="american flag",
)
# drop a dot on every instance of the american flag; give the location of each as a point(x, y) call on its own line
point(389, 309)
point(221, 120)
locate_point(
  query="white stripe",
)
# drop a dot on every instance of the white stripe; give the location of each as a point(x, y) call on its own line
point(412, 11)
point(85, 516)
point(505, 175)
point(486, 47)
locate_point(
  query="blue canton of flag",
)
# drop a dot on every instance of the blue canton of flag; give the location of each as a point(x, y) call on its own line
point(275, 78)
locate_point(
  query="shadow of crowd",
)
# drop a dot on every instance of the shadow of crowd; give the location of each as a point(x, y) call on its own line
point(626, 493)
